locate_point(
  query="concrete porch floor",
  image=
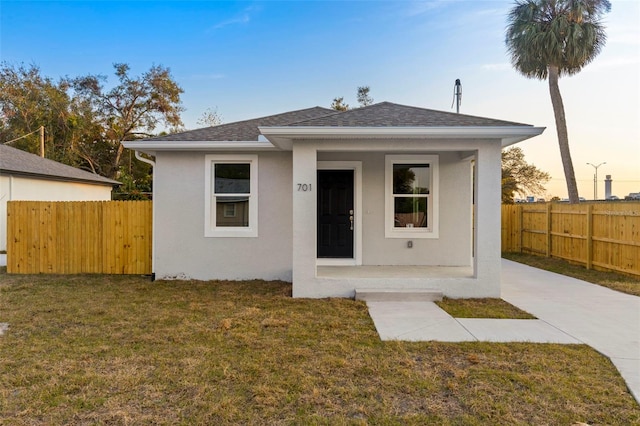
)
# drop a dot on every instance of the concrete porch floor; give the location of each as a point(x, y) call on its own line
point(392, 271)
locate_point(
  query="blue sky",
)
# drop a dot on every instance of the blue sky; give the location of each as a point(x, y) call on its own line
point(249, 59)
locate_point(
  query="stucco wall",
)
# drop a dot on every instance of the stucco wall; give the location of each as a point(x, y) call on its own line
point(452, 248)
point(15, 188)
point(181, 249)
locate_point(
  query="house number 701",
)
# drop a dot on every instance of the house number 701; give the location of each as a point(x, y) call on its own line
point(304, 187)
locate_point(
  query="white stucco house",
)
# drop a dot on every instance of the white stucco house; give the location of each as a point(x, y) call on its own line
point(382, 197)
point(28, 177)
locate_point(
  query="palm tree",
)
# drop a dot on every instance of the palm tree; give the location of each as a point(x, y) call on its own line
point(552, 38)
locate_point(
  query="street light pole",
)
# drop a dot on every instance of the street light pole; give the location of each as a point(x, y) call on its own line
point(595, 179)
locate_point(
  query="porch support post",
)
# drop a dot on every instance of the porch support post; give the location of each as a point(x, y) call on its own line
point(304, 218)
point(487, 264)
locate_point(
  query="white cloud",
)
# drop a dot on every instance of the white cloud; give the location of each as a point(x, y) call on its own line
point(244, 17)
point(491, 12)
point(613, 62)
point(496, 67)
point(629, 36)
point(622, 25)
point(419, 7)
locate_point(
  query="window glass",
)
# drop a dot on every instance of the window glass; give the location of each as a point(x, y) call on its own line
point(411, 178)
point(232, 211)
point(232, 178)
point(231, 195)
point(411, 196)
point(410, 212)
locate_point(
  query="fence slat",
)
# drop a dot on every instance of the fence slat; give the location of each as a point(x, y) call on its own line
point(604, 236)
point(79, 237)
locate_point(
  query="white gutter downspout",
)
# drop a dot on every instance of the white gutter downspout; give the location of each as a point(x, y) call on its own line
point(144, 160)
point(153, 212)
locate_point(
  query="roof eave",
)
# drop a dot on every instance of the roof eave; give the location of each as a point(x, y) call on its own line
point(283, 136)
point(151, 147)
point(58, 178)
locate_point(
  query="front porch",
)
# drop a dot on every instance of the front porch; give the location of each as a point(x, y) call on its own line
point(432, 255)
point(393, 282)
point(396, 188)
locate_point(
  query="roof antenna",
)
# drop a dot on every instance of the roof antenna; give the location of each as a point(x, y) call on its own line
point(457, 95)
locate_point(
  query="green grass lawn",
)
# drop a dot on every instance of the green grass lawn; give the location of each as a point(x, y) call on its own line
point(124, 350)
point(624, 283)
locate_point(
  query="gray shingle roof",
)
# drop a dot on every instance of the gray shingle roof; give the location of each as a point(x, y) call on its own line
point(246, 130)
point(16, 161)
point(387, 114)
point(383, 114)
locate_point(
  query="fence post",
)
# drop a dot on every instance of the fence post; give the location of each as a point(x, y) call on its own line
point(589, 236)
point(521, 225)
point(548, 230)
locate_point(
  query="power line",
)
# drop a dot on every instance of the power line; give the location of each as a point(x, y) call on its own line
point(23, 136)
point(591, 180)
point(41, 130)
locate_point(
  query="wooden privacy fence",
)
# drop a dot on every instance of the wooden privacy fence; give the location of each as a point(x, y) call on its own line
point(96, 237)
point(598, 235)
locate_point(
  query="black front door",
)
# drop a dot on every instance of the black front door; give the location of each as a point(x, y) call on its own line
point(335, 213)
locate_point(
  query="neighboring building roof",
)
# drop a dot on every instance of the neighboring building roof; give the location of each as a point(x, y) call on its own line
point(246, 130)
point(15, 161)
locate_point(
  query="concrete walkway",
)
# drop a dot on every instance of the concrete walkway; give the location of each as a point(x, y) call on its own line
point(568, 311)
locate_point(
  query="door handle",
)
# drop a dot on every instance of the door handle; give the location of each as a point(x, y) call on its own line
point(351, 219)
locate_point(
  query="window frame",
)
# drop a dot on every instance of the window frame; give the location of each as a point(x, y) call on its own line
point(431, 231)
point(210, 228)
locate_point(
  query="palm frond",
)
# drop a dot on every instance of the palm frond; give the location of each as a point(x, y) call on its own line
point(568, 34)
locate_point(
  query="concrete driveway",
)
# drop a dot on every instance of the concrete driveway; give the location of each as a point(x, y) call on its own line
point(606, 320)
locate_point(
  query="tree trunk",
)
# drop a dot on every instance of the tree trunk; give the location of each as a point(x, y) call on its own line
point(563, 137)
point(116, 163)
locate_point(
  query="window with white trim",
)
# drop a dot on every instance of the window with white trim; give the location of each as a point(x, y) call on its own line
point(411, 196)
point(231, 196)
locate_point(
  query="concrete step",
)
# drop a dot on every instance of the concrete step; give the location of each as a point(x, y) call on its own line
point(398, 295)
